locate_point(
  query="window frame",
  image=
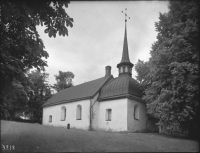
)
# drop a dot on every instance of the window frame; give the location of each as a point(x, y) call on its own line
point(108, 114)
point(121, 70)
point(63, 117)
point(50, 118)
point(79, 112)
point(124, 69)
point(136, 112)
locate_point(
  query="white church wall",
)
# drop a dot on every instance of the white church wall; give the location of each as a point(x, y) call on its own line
point(71, 107)
point(95, 111)
point(118, 115)
point(134, 124)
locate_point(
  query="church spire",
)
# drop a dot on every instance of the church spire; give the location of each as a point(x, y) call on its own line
point(125, 66)
point(125, 55)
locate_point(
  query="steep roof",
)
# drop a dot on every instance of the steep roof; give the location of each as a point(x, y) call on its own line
point(79, 92)
point(123, 86)
point(125, 55)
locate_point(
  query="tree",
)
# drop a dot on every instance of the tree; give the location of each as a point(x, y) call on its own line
point(21, 47)
point(142, 69)
point(39, 93)
point(172, 95)
point(64, 80)
point(14, 101)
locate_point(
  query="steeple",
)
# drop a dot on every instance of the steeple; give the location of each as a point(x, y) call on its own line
point(125, 55)
point(125, 66)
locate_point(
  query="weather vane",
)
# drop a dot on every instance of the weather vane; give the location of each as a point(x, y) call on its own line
point(125, 15)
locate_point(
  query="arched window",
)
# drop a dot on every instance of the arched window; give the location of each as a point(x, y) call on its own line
point(50, 118)
point(78, 112)
point(63, 113)
point(126, 69)
point(136, 112)
point(108, 114)
point(123, 69)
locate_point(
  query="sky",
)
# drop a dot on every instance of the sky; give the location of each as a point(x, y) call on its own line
point(96, 38)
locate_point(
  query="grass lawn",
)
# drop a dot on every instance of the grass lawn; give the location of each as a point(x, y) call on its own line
point(28, 137)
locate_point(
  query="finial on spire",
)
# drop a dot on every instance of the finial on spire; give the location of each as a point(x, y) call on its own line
point(125, 14)
point(125, 66)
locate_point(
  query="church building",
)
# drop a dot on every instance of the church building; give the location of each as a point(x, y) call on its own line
point(107, 103)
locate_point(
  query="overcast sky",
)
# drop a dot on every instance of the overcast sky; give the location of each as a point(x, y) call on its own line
point(96, 38)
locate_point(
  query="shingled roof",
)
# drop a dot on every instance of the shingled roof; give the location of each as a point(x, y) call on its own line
point(123, 86)
point(83, 91)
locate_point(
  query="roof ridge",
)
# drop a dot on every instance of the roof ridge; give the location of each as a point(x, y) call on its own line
point(89, 81)
point(104, 84)
point(81, 91)
point(110, 82)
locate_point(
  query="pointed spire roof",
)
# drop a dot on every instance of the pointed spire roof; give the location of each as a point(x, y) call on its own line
point(125, 55)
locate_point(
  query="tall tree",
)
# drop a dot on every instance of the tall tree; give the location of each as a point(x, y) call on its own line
point(21, 47)
point(174, 67)
point(14, 101)
point(39, 93)
point(64, 80)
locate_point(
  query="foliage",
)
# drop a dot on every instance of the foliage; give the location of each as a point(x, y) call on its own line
point(14, 101)
point(21, 47)
point(172, 95)
point(64, 80)
point(39, 93)
point(142, 69)
point(49, 13)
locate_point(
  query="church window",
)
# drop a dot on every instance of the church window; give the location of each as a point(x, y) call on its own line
point(50, 118)
point(63, 113)
point(108, 114)
point(126, 70)
point(121, 69)
point(78, 112)
point(136, 112)
point(129, 69)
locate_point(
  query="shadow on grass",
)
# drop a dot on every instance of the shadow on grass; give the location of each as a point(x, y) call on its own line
point(177, 136)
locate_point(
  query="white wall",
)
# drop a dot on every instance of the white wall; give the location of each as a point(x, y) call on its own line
point(55, 111)
point(133, 124)
point(122, 115)
point(119, 115)
point(95, 112)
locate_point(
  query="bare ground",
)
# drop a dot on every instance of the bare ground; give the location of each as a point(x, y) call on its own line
point(29, 137)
